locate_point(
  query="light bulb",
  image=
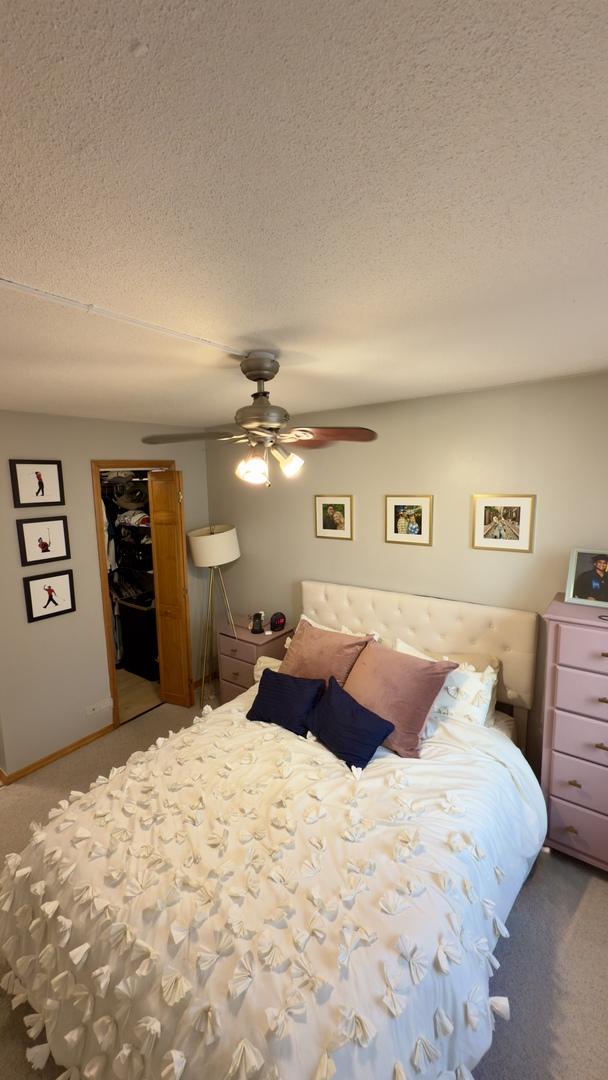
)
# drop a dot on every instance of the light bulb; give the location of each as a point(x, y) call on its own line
point(253, 469)
point(290, 463)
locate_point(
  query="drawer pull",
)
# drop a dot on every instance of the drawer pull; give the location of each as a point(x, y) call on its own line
point(235, 674)
point(574, 783)
point(604, 700)
point(604, 654)
point(600, 746)
point(233, 652)
point(570, 829)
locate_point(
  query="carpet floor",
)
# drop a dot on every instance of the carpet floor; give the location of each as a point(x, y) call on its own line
point(554, 966)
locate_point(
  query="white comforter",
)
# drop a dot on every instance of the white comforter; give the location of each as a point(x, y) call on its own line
point(234, 902)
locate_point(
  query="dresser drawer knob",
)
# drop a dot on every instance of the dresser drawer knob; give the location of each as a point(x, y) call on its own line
point(604, 700)
point(235, 674)
point(233, 652)
point(604, 654)
point(574, 783)
point(570, 829)
point(600, 746)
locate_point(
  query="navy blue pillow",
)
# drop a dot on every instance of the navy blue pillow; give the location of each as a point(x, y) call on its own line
point(286, 700)
point(347, 728)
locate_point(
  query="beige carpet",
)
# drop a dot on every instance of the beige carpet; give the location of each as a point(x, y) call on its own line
point(555, 964)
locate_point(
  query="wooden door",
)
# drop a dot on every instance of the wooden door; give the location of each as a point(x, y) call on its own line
point(170, 587)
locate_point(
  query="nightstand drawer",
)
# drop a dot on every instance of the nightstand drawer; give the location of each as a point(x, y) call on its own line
point(582, 830)
point(581, 737)
point(580, 647)
point(582, 692)
point(228, 691)
point(237, 650)
point(235, 671)
point(580, 782)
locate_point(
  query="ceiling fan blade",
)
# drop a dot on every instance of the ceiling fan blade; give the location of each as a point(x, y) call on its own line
point(190, 436)
point(310, 444)
point(305, 436)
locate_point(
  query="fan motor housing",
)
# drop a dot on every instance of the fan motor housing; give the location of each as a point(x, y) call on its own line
point(262, 414)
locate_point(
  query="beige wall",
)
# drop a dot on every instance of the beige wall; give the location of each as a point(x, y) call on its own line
point(52, 670)
point(545, 438)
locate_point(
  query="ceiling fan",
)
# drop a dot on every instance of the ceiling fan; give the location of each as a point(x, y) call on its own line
point(263, 427)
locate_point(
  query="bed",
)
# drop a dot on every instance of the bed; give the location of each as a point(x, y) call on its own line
point(235, 902)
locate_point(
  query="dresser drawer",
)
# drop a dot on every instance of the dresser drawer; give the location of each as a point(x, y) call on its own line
point(235, 671)
point(582, 692)
point(582, 830)
point(581, 737)
point(582, 647)
point(580, 782)
point(237, 650)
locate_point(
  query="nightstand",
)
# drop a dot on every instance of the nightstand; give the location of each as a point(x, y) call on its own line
point(237, 656)
point(575, 732)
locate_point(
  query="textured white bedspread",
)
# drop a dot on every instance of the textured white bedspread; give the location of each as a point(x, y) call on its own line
point(234, 902)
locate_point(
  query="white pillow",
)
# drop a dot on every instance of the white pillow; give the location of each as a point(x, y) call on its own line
point(264, 662)
point(465, 695)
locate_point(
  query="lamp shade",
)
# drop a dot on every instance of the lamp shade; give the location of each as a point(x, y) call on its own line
point(214, 545)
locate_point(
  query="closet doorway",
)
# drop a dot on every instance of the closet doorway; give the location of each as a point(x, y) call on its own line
point(142, 564)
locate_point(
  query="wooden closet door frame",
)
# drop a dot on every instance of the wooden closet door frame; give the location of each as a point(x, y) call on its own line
point(97, 467)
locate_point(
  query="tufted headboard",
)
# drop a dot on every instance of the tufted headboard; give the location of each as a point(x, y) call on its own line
point(439, 626)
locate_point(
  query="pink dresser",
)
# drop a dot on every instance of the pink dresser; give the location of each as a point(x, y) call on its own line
point(575, 735)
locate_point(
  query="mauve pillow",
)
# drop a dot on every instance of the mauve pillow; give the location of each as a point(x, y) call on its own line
point(399, 688)
point(352, 732)
point(319, 654)
point(286, 700)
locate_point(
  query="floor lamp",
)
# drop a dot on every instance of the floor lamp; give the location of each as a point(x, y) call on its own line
point(213, 547)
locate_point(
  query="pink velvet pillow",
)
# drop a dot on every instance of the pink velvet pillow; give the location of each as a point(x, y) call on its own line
point(317, 654)
point(400, 689)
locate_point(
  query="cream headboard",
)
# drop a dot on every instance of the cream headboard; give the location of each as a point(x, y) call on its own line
point(439, 626)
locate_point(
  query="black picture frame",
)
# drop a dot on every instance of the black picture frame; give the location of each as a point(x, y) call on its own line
point(19, 491)
point(67, 577)
point(43, 526)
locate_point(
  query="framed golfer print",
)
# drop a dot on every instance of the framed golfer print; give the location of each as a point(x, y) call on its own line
point(36, 482)
point(47, 595)
point(43, 540)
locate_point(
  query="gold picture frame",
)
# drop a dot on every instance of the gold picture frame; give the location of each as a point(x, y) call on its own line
point(503, 522)
point(408, 519)
point(334, 508)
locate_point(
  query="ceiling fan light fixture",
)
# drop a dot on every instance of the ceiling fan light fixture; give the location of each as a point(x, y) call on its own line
point(253, 469)
point(290, 463)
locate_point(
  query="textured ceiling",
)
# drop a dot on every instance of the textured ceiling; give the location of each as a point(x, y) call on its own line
point(404, 198)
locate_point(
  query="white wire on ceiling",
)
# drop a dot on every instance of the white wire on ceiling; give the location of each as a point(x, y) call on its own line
point(117, 316)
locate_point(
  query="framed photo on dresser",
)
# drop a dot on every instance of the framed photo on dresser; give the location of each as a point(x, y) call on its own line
point(588, 577)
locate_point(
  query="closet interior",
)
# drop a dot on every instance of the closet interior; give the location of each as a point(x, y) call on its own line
point(130, 581)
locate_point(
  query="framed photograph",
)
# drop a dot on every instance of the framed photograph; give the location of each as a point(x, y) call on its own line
point(334, 516)
point(409, 519)
point(47, 595)
point(36, 483)
point(588, 577)
point(43, 540)
point(503, 522)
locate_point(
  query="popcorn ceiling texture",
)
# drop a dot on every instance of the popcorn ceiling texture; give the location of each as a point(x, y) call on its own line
point(404, 198)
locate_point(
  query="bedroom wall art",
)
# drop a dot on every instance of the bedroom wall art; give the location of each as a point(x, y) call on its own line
point(334, 517)
point(409, 519)
point(47, 595)
point(588, 577)
point(503, 522)
point(43, 540)
point(36, 482)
